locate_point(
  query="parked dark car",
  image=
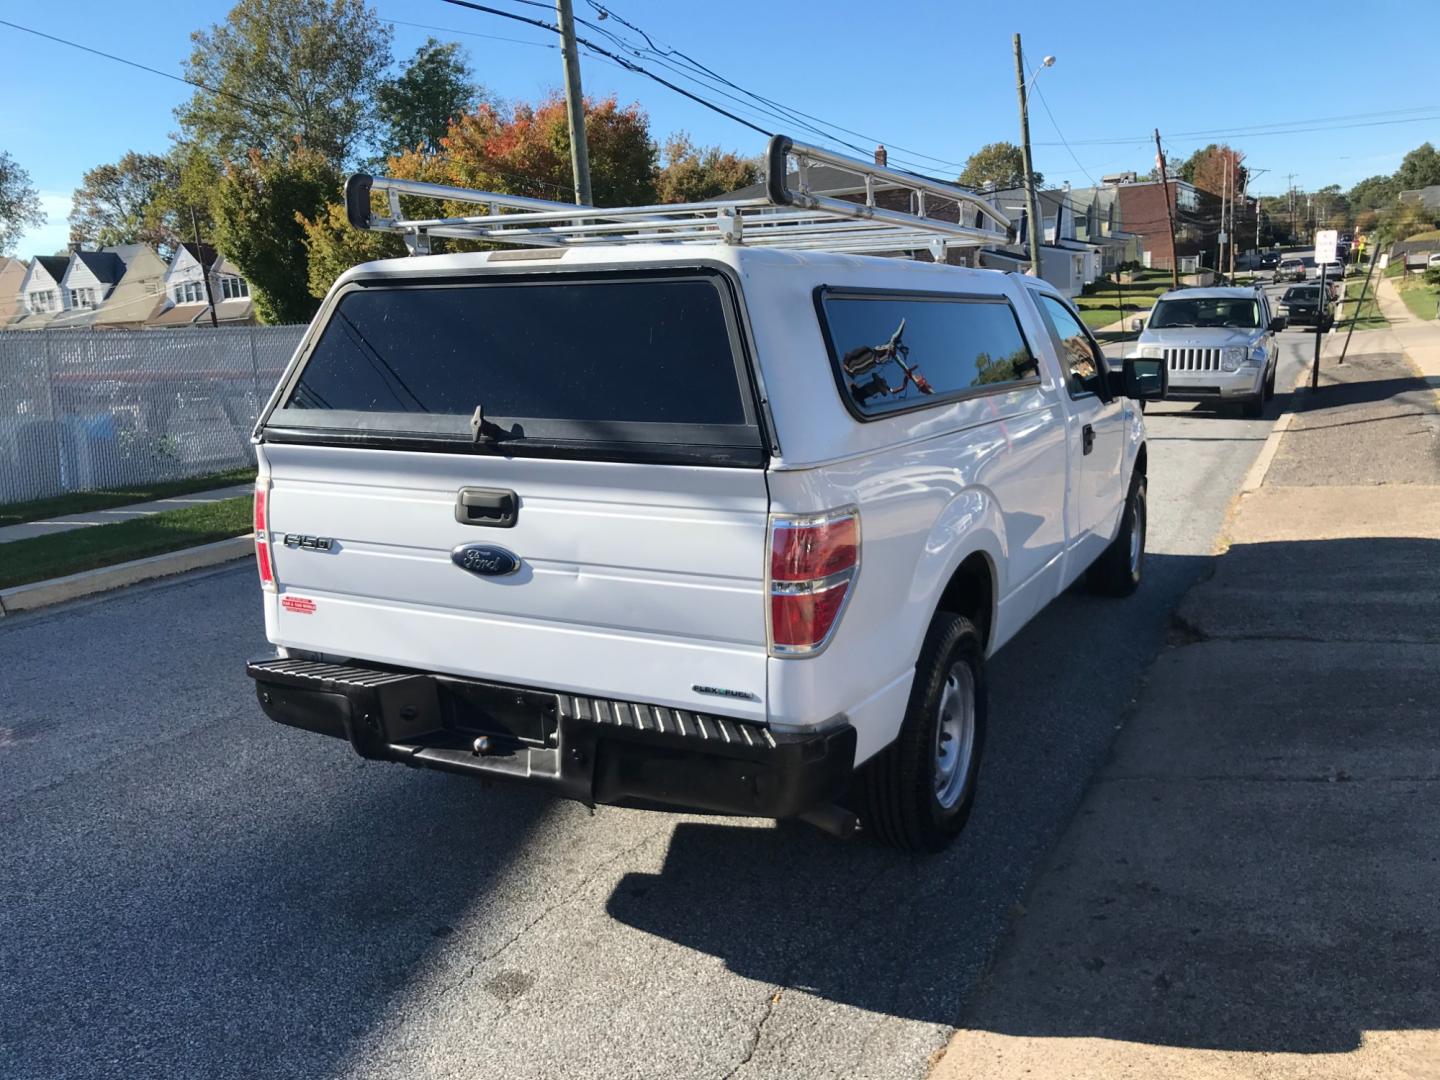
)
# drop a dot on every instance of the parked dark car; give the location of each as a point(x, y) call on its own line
point(1301, 304)
point(1290, 270)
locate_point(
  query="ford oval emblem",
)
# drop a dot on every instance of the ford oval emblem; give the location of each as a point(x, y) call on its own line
point(484, 560)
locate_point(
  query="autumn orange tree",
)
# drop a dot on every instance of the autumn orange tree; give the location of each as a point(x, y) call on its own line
point(524, 149)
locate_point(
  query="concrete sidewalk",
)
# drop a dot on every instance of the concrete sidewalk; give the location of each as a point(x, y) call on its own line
point(28, 530)
point(1250, 886)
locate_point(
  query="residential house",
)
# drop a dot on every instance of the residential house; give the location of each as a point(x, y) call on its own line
point(89, 279)
point(1097, 221)
point(1428, 197)
point(184, 286)
point(12, 276)
point(139, 294)
point(1066, 261)
point(1197, 223)
point(40, 292)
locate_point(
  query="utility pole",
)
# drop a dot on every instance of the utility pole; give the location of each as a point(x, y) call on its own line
point(574, 103)
point(1032, 215)
point(204, 270)
point(1169, 212)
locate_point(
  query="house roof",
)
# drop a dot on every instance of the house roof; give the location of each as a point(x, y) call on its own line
point(140, 293)
point(204, 254)
point(179, 315)
point(75, 317)
point(127, 252)
point(55, 265)
point(107, 267)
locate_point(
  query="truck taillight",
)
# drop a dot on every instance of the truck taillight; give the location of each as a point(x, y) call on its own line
point(262, 536)
point(813, 563)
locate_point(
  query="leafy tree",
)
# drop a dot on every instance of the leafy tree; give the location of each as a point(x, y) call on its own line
point(1215, 169)
point(996, 165)
point(1374, 192)
point(197, 175)
point(417, 107)
point(118, 203)
point(19, 203)
point(1406, 219)
point(691, 174)
point(526, 151)
point(523, 150)
point(260, 207)
point(287, 69)
point(1419, 168)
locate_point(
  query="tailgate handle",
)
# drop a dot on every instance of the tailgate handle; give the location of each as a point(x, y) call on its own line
point(494, 507)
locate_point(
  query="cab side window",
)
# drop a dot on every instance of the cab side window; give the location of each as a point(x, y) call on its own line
point(1085, 365)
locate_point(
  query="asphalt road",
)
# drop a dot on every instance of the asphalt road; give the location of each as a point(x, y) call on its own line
point(189, 890)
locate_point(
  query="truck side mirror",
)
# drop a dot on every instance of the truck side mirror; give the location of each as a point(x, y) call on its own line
point(1145, 378)
point(1278, 323)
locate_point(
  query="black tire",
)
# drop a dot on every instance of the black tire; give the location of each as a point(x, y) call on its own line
point(1117, 572)
point(1270, 385)
point(1253, 408)
point(898, 800)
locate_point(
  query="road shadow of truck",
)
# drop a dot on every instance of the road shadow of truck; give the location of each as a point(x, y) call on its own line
point(905, 935)
point(1253, 869)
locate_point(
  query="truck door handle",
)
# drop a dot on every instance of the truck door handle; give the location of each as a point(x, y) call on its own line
point(1087, 438)
point(494, 507)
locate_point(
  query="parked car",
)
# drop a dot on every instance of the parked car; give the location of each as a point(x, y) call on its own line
point(1334, 271)
point(726, 528)
point(1290, 270)
point(1219, 345)
point(1434, 260)
point(1301, 304)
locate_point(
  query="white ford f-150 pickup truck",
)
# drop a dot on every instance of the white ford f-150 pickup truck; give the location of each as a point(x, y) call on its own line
point(726, 526)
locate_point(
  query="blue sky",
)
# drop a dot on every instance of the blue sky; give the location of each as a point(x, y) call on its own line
point(934, 77)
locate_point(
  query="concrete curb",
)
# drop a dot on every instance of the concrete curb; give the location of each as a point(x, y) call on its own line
point(57, 590)
point(1256, 476)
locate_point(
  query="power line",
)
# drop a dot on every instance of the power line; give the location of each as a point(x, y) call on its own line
point(1278, 128)
point(669, 50)
point(627, 64)
point(249, 103)
point(1041, 94)
point(471, 33)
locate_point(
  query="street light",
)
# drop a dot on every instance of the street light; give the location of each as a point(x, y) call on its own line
point(1049, 61)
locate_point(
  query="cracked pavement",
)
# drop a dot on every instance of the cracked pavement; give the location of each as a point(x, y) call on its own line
point(190, 890)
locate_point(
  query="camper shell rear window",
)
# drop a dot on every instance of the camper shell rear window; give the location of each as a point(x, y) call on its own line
point(646, 366)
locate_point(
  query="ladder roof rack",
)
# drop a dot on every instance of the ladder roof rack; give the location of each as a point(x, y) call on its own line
point(790, 214)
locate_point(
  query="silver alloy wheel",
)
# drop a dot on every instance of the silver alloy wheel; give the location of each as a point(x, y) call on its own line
point(955, 735)
point(1137, 536)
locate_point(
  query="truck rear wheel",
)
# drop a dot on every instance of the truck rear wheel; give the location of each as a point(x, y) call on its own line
point(1117, 571)
point(916, 793)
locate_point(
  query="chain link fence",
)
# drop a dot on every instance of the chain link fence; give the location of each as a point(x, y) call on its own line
point(87, 410)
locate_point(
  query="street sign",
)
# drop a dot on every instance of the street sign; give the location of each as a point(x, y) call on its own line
point(1325, 245)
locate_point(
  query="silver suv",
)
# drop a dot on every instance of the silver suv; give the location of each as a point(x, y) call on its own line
point(1218, 344)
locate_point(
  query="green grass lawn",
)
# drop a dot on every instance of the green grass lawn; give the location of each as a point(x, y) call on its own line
point(1370, 317)
point(84, 502)
point(24, 561)
point(1422, 300)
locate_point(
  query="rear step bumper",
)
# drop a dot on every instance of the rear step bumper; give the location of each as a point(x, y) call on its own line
point(594, 750)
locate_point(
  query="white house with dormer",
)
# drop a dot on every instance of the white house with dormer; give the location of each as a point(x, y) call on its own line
point(185, 293)
point(40, 293)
